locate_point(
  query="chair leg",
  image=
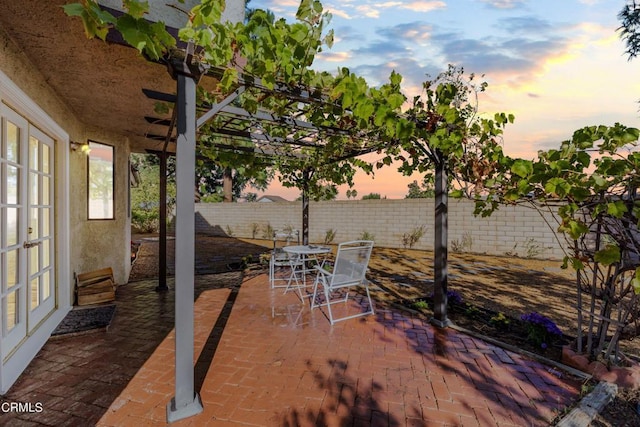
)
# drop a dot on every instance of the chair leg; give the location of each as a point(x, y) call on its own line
point(315, 291)
point(328, 304)
point(272, 273)
point(366, 287)
point(294, 276)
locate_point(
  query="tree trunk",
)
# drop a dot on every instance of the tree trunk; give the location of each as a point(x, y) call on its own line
point(227, 185)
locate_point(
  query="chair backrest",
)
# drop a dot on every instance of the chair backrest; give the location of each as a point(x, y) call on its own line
point(284, 238)
point(351, 262)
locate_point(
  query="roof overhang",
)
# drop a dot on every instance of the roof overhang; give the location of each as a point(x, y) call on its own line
point(106, 86)
point(100, 82)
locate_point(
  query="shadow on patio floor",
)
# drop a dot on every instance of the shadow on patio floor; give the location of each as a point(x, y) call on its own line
point(265, 359)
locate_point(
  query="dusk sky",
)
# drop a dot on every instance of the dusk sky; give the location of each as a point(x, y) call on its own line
point(556, 65)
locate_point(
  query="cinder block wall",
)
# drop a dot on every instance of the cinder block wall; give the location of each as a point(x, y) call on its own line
point(515, 230)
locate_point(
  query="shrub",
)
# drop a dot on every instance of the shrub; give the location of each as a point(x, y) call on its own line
point(453, 297)
point(410, 239)
point(541, 330)
point(464, 245)
point(367, 236)
point(329, 235)
point(421, 305)
point(145, 221)
point(267, 231)
point(255, 227)
point(500, 321)
point(532, 248)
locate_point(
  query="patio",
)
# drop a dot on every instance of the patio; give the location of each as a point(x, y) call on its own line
point(263, 358)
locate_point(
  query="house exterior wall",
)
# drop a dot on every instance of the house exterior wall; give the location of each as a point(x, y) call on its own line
point(512, 229)
point(94, 244)
point(81, 245)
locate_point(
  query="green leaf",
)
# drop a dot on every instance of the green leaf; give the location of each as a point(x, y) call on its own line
point(328, 39)
point(74, 9)
point(635, 282)
point(136, 8)
point(229, 78)
point(577, 264)
point(574, 228)
point(584, 158)
point(522, 168)
point(523, 187)
point(396, 100)
point(607, 256)
point(617, 208)
point(599, 180)
point(557, 187)
point(511, 195)
point(580, 193)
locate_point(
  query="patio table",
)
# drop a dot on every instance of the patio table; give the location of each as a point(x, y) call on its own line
point(301, 256)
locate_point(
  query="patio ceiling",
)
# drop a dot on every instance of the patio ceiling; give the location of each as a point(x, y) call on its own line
point(101, 83)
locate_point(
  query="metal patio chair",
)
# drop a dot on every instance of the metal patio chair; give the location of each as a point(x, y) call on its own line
point(280, 260)
point(349, 269)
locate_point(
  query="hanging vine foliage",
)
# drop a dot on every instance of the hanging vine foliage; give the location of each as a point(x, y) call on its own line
point(360, 116)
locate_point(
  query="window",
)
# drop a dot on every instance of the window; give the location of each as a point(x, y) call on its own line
point(101, 181)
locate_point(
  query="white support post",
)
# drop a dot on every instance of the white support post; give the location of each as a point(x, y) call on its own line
point(186, 401)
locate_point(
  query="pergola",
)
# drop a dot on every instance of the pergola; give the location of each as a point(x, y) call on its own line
point(287, 135)
point(104, 85)
point(267, 135)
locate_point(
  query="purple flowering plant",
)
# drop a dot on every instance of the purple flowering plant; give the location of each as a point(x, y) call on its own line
point(541, 329)
point(453, 297)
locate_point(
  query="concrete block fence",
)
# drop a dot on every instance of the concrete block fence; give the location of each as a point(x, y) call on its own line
point(512, 230)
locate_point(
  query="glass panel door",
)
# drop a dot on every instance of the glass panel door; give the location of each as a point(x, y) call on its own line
point(27, 272)
point(13, 216)
point(40, 239)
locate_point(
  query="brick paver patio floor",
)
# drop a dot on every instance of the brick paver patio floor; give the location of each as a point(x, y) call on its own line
point(263, 358)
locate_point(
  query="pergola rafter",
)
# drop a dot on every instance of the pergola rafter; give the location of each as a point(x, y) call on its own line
point(293, 131)
point(286, 134)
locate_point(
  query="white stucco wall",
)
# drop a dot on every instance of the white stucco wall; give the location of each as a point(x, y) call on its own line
point(512, 229)
point(93, 244)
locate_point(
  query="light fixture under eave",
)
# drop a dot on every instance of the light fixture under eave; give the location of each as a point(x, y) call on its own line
point(82, 147)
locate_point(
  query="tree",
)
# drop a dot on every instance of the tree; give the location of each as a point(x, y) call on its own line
point(589, 184)
point(324, 193)
point(145, 193)
point(449, 138)
point(421, 191)
point(629, 18)
point(372, 196)
point(251, 197)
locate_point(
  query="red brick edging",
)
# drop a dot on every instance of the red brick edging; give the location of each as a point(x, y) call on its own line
point(625, 377)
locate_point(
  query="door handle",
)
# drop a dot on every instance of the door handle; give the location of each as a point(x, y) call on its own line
point(28, 245)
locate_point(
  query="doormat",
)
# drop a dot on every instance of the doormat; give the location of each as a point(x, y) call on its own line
point(81, 319)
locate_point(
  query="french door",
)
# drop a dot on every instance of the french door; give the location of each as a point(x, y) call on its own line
point(27, 264)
